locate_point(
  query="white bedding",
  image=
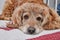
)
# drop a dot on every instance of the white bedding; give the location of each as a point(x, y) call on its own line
point(16, 34)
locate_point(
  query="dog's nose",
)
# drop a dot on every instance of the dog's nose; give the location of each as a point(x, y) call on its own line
point(31, 30)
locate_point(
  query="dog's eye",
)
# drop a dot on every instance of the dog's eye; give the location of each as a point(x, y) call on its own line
point(26, 17)
point(38, 18)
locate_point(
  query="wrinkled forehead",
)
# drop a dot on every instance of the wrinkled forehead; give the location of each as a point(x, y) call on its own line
point(32, 8)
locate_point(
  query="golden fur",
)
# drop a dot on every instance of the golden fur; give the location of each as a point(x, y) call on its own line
point(10, 5)
point(33, 13)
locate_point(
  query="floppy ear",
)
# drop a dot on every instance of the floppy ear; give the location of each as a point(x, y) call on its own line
point(16, 19)
point(53, 22)
point(53, 13)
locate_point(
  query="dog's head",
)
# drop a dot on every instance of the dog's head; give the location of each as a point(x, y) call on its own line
point(30, 17)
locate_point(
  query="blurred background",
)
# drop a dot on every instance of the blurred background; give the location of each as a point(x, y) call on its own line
point(55, 4)
point(1, 5)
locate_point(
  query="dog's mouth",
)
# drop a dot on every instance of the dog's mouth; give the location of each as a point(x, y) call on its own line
point(31, 30)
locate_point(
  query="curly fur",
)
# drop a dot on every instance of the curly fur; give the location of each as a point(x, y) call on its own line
point(10, 6)
point(15, 10)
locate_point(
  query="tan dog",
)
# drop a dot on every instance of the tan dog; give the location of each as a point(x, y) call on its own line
point(10, 6)
point(32, 18)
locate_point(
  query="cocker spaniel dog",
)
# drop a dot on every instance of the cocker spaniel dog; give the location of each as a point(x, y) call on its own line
point(32, 18)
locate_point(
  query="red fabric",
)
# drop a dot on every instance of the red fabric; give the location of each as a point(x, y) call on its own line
point(7, 29)
point(54, 36)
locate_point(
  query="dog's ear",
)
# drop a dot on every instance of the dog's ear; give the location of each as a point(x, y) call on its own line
point(53, 22)
point(16, 18)
point(53, 13)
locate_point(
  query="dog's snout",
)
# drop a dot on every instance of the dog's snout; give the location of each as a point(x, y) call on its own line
point(31, 30)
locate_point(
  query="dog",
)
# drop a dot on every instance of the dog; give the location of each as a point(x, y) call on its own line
point(10, 6)
point(33, 18)
point(30, 16)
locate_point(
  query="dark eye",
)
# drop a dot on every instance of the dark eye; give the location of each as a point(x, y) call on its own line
point(26, 17)
point(38, 18)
